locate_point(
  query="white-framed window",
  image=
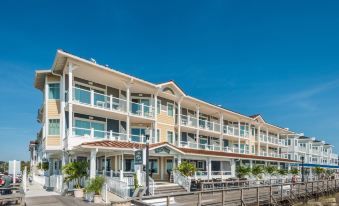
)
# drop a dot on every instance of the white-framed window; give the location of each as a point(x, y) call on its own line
point(158, 106)
point(170, 109)
point(158, 136)
point(54, 91)
point(53, 127)
point(170, 137)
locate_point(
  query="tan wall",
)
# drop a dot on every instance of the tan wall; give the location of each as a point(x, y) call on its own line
point(53, 108)
point(163, 131)
point(164, 118)
point(53, 141)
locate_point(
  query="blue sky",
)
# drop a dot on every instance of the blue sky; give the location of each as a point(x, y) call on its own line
point(276, 58)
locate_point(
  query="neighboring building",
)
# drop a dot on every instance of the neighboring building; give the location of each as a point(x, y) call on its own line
point(95, 113)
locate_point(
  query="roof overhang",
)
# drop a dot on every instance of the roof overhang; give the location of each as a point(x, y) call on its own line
point(40, 76)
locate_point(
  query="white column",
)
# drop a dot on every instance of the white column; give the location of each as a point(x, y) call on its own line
point(251, 164)
point(179, 123)
point(221, 117)
point(179, 160)
point(267, 142)
point(93, 158)
point(62, 112)
point(105, 164)
point(198, 128)
point(233, 168)
point(156, 117)
point(259, 133)
point(122, 166)
point(209, 168)
point(46, 107)
point(70, 99)
point(239, 137)
point(116, 163)
point(128, 94)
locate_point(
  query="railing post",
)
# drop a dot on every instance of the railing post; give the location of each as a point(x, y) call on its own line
point(110, 134)
point(168, 201)
point(92, 97)
point(242, 196)
point(142, 110)
point(92, 132)
point(199, 199)
point(223, 197)
point(281, 192)
point(110, 102)
point(258, 201)
point(270, 194)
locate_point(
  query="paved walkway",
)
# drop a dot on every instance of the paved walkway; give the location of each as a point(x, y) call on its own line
point(36, 190)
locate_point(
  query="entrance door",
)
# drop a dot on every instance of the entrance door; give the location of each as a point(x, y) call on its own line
point(168, 168)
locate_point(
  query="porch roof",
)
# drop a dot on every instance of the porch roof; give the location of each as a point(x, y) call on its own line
point(106, 144)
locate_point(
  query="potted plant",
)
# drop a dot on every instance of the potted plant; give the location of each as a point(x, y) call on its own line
point(74, 172)
point(186, 168)
point(95, 186)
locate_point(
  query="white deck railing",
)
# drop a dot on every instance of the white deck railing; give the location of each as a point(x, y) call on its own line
point(118, 187)
point(182, 180)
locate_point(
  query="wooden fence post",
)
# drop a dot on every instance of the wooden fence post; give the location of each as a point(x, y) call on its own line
point(281, 192)
point(270, 194)
point(241, 196)
point(223, 198)
point(258, 202)
point(199, 199)
point(168, 201)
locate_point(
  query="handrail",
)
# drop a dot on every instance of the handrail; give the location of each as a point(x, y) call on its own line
point(182, 180)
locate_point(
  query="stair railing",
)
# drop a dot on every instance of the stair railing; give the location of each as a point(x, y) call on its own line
point(182, 180)
point(151, 182)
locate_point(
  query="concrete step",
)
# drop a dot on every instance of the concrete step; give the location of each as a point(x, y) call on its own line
point(167, 188)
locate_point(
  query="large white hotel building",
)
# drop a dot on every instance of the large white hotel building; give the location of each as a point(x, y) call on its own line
point(95, 113)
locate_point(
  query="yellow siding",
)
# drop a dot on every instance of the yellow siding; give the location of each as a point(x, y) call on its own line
point(164, 118)
point(53, 108)
point(163, 131)
point(140, 124)
point(53, 141)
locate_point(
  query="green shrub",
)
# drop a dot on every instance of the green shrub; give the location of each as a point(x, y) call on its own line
point(243, 171)
point(186, 168)
point(95, 185)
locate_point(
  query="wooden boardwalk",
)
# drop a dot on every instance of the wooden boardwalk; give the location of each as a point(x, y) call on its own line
point(275, 194)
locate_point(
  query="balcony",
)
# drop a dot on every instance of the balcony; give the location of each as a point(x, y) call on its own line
point(142, 110)
point(94, 99)
point(209, 126)
point(234, 131)
point(188, 121)
point(193, 145)
point(273, 154)
point(272, 140)
point(97, 100)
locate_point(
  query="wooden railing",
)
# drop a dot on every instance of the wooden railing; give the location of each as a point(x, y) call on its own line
point(286, 193)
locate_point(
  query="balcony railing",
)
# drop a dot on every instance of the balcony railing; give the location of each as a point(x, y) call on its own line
point(272, 140)
point(187, 120)
point(110, 135)
point(207, 125)
point(142, 110)
point(235, 131)
point(194, 145)
point(98, 100)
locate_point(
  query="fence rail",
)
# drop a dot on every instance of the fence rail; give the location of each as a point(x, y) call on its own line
point(286, 193)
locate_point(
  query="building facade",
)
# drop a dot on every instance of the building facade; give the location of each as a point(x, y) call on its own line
point(94, 113)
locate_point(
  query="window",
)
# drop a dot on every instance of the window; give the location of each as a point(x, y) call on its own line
point(158, 135)
point(158, 106)
point(83, 128)
point(54, 91)
point(54, 127)
point(170, 110)
point(170, 137)
point(153, 166)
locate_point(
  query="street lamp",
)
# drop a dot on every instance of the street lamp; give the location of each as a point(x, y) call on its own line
point(147, 134)
point(302, 168)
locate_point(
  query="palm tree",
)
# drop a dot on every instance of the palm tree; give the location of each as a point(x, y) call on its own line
point(318, 171)
point(243, 171)
point(257, 171)
point(271, 170)
point(294, 171)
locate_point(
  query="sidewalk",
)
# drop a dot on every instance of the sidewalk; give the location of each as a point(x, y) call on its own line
point(36, 190)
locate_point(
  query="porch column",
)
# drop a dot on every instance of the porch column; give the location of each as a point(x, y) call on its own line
point(251, 164)
point(105, 165)
point(62, 112)
point(179, 160)
point(267, 142)
point(93, 163)
point(233, 168)
point(122, 166)
point(209, 168)
point(116, 163)
point(278, 165)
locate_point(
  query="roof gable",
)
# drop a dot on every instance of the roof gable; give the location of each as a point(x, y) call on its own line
point(258, 118)
point(171, 88)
